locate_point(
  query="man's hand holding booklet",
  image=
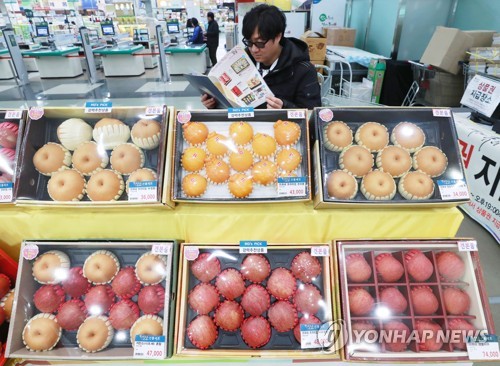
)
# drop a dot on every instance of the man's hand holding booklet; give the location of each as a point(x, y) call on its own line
point(234, 81)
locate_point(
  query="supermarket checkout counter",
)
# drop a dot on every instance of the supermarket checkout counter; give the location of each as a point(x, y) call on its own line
point(56, 63)
point(184, 59)
point(5, 67)
point(121, 60)
point(30, 63)
point(150, 61)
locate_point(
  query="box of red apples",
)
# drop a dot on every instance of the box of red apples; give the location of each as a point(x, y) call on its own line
point(238, 301)
point(92, 300)
point(406, 300)
point(11, 132)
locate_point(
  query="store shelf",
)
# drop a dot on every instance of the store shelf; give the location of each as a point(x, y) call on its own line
point(211, 223)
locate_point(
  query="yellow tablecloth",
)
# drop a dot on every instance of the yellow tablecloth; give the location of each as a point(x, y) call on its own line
point(290, 222)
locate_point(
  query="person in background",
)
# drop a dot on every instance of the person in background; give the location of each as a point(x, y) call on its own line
point(197, 37)
point(283, 62)
point(212, 37)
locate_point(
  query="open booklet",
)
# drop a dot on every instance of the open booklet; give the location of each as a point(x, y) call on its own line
point(234, 81)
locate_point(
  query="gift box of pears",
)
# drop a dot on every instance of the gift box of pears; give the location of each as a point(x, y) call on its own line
point(407, 300)
point(73, 156)
point(223, 156)
point(374, 157)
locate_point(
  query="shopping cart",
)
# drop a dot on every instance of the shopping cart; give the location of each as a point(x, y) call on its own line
point(421, 83)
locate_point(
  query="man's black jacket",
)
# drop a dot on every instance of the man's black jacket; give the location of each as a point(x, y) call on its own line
point(213, 33)
point(294, 80)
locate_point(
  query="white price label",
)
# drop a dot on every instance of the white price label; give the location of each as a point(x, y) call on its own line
point(253, 247)
point(98, 107)
point(161, 249)
point(292, 186)
point(6, 192)
point(453, 189)
point(467, 246)
point(154, 110)
point(441, 113)
point(150, 347)
point(482, 94)
point(296, 114)
point(13, 114)
point(311, 336)
point(145, 191)
point(240, 112)
point(322, 251)
point(483, 348)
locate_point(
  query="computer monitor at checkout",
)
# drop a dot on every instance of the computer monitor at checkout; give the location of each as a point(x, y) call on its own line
point(108, 29)
point(42, 30)
point(173, 28)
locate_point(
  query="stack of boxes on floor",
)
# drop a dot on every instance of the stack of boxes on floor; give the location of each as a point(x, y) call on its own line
point(446, 49)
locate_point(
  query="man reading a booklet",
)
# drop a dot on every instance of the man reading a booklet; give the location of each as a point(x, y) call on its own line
point(283, 62)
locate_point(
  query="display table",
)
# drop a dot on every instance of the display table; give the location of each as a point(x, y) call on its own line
point(287, 222)
point(56, 63)
point(5, 69)
point(121, 61)
point(184, 59)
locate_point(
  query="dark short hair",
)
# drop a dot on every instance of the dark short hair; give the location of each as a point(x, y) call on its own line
point(269, 19)
point(195, 22)
point(210, 15)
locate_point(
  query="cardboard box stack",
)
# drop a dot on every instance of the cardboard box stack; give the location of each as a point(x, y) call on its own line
point(317, 46)
point(446, 49)
point(340, 36)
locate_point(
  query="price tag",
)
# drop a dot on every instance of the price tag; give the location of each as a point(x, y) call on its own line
point(150, 347)
point(240, 112)
point(453, 189)
point(309, 336)
point(482, 94)
point(253, 247)
point(6, 192)
point(98, 107)
point(161, 249)
point(145, 191)
point(13, 114)
point(483, 347)
point(292, 186)
point(467, 246)
point(441, 113)
point(296, 114)
point(322, 251)
point(154, 110)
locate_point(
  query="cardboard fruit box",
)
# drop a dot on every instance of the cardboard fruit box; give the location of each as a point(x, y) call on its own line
point(428, 173)
point(89, 155)
point(216, 157)
point(65, 288)
point(411, 300)
point(249, 301)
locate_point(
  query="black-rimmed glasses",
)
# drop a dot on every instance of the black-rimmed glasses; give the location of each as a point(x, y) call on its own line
point(250, 44)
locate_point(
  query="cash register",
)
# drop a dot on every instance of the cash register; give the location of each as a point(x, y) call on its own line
point(173, 30)
point(108, 33)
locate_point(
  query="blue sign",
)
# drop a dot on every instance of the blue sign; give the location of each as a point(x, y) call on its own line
point(310, 327)
point(253, 244)
point(240, 110)
point(6, 185)
point(149, 338)
point(143, 184)
point(98, 104)
point(292, 180)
